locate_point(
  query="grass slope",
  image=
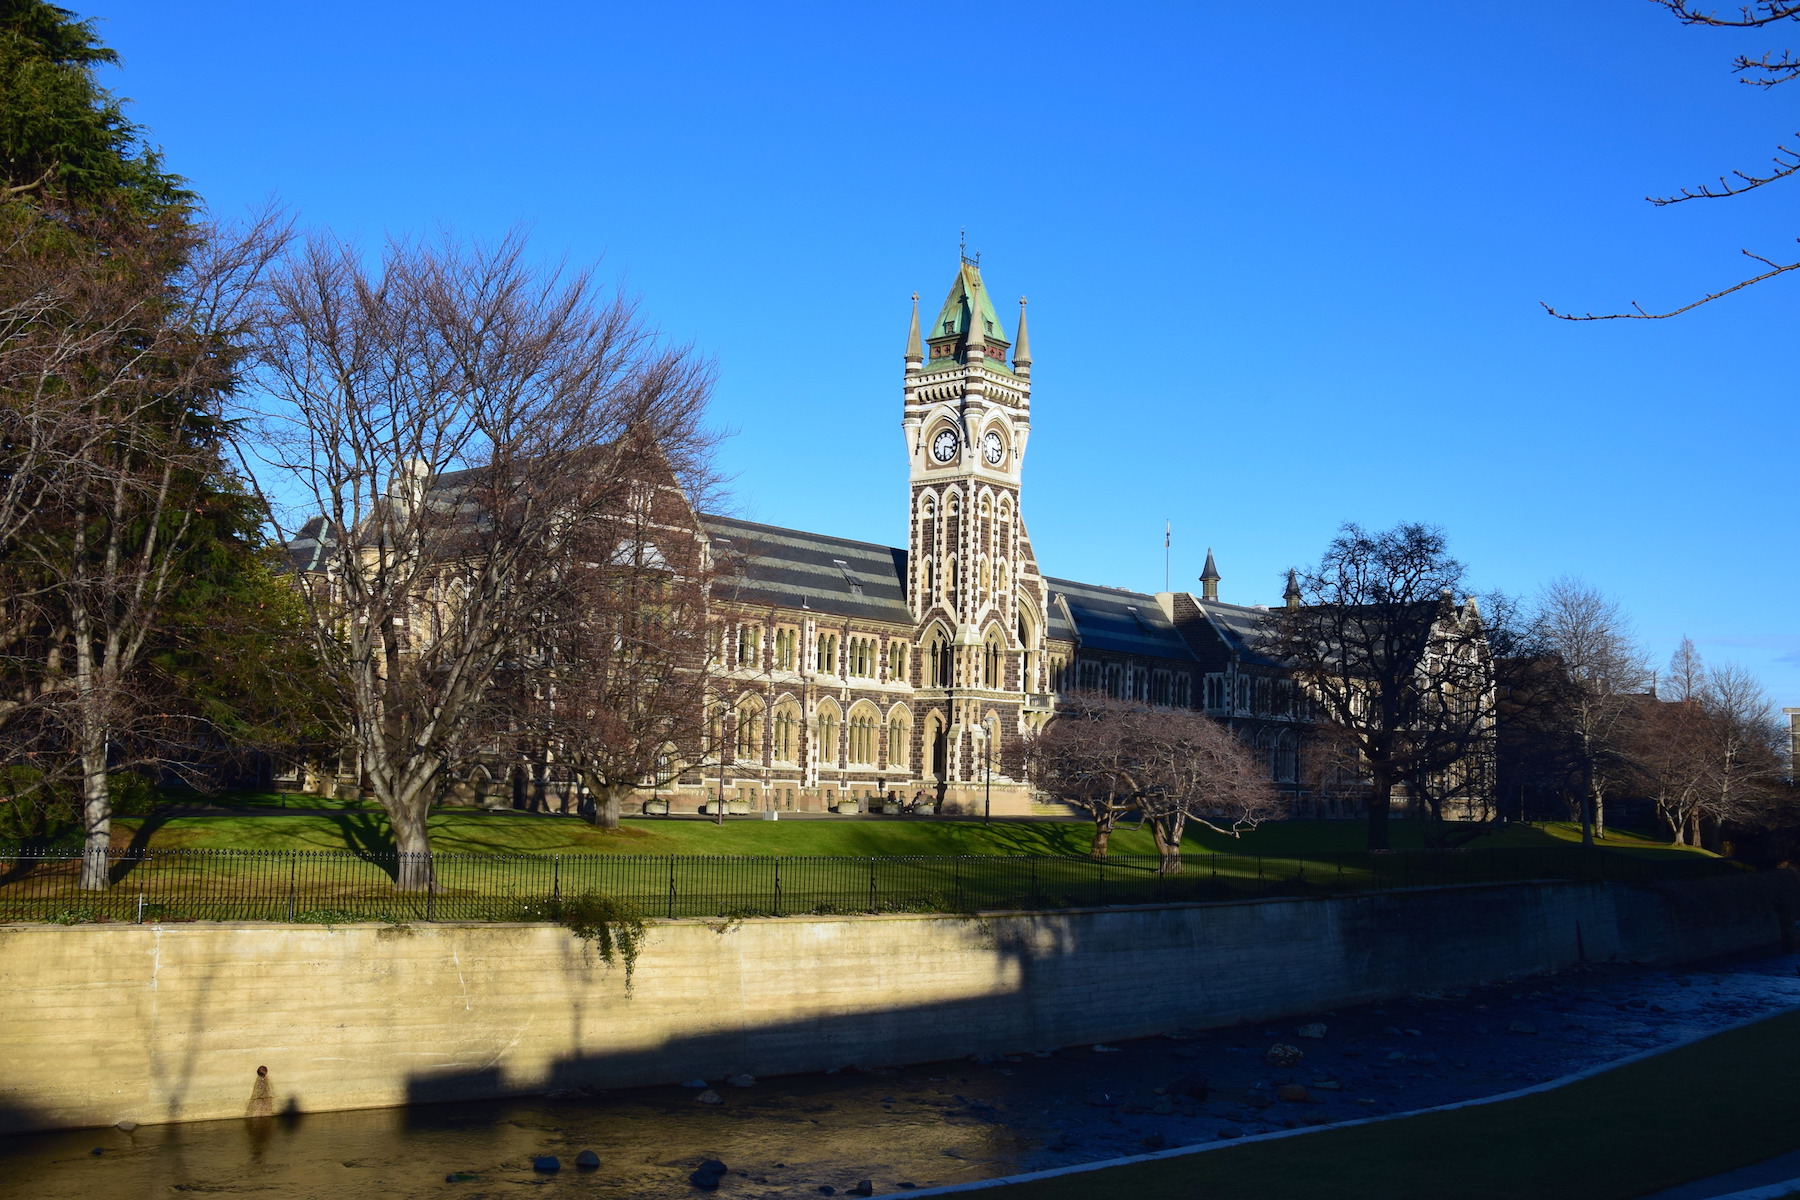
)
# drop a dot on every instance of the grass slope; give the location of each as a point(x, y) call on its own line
point(278, 823)
point(1714, 1106)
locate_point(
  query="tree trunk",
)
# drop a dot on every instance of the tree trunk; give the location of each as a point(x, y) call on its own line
point(413, 844)
point(608, 803)
point(1381, 797)
point(1167, 833)
point(1599, 812)
point(96, 810)
point(1103, 827)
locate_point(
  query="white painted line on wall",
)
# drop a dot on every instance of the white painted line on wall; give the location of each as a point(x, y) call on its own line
point(1550, 1086)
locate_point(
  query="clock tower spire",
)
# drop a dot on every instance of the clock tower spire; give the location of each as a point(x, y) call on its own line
point(973, 583)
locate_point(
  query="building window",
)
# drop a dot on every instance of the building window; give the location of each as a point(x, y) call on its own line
point(938, 656)
point(785, 641)
point(899, 750)
point(1183, 690)
point(783, 727)
point(749, 733)
point(749, 643)
point(827, 656)
point(862, 739)
point(897, 661)
point(992, 662)
point(825, 736)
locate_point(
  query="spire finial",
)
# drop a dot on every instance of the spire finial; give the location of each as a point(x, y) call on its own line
point(962, 250)
point(1209, 578)
point(1291, 597)
point(976, 343)
point(1022, 347)
point(915, 351)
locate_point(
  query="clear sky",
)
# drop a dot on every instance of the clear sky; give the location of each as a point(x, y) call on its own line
point(1284, 261)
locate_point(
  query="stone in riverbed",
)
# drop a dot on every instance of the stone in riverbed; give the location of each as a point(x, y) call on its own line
point(587, 1160)
point(865, 1188)
point(701, 1083)
point(125, 1126)
point(1230, 1131)
point(709, 1097)
point(546, 1164)
point(1283, 1055)
point(706, 1176)
point(1191, 1084)
point(742, 1081)
point(1314, 1030)
point(1293, 1093)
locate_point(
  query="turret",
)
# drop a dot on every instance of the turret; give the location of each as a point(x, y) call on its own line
point(975, 346)
point(915, 349)
point(1209, 579)
point(1291, 597)
point(1022, 347)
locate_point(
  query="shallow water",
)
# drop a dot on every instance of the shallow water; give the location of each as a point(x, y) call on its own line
point(935, 1124)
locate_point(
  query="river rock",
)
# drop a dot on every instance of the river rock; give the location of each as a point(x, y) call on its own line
point(1293, 1093)
point(125, 1126)
point(742, 1081)
point(461, 1177)
point(1314, 1030)
point(1283, 1055)
point(1192, 1084)
point(1328, 1085)
point(1258, 1099)
point(1230, 1131)
point(1164, 1107)
point(548, 1164)
point(587, 1160)
point(706, 1176)
point(865, 1188)
point(709, 1097)
point(701, 1083)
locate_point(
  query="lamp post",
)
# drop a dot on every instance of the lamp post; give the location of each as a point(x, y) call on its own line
point(987, 786)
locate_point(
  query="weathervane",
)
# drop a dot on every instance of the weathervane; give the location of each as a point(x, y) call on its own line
point(962, 249)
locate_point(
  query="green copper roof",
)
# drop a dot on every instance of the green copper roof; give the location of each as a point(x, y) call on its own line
point(953, 318)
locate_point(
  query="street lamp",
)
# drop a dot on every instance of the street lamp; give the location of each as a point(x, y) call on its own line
point(987, 786)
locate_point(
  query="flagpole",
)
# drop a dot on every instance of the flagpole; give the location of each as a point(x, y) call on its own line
point(1166, 530)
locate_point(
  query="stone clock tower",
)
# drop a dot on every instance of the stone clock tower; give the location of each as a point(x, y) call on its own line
point(973, 581)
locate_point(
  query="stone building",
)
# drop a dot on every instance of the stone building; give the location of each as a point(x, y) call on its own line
point(854, 671)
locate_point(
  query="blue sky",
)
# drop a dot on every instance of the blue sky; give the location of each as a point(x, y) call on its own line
point(1284, 261)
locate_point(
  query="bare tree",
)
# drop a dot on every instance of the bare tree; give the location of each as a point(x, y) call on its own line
point(1398, 670)
point(1764, 71)
point(1110, 757)
point(1592, 639)
point(1196, 769)
point(119, 343)
point(447, 412)
point(615, 674)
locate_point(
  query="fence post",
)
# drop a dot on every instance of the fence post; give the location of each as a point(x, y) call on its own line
point(431, 896)
point(556, 876)
point(293, 870)
point(874, 902)
point(671, 887)
point(778, 885)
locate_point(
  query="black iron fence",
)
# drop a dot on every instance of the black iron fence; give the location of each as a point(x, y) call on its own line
point(334, 887)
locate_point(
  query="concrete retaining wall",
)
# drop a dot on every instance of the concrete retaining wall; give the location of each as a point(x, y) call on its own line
point(169, 1023)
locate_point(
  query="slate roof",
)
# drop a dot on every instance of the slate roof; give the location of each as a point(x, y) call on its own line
point(1117, 620)
point(307, 549)
point(1238, 624)
point(789, 568)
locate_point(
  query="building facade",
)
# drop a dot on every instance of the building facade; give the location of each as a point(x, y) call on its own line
point(853, 672)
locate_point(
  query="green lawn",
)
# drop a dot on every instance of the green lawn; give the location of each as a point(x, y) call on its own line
point(1711, 1107)
point(266, 824)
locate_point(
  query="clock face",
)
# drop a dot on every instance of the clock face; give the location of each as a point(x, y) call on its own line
point(943, 446)
point(992, 448)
